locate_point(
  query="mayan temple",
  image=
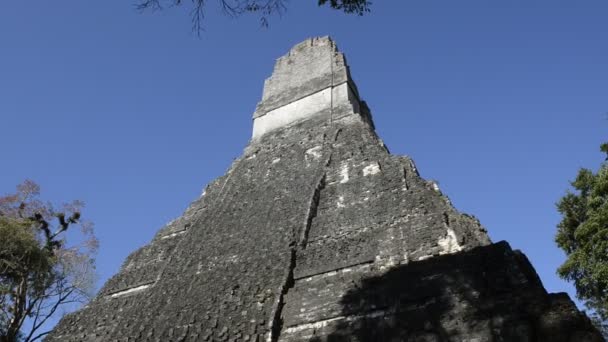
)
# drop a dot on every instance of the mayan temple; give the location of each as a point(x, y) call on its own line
point(318, 233)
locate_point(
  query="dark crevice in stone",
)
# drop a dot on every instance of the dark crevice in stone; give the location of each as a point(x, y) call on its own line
point(337, 134)
point(276, 325)
point(319, 186)
point(446, 219)
point(312, 210)
point(277, 319)
point(407, 185)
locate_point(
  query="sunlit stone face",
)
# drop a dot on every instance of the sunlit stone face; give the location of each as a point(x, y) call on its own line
point(311, 80)
point(317, 104)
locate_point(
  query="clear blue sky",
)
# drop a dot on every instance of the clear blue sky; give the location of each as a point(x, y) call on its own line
point(500, 102)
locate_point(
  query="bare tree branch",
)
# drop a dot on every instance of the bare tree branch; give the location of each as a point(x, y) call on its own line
point(60, 301)
point(264, 8)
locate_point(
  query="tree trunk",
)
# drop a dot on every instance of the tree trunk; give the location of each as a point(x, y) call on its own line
point(18, 312)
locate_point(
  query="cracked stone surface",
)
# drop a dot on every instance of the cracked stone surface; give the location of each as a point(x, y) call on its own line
point(318, 233)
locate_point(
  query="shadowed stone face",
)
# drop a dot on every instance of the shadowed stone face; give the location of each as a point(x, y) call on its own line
point(317, 233)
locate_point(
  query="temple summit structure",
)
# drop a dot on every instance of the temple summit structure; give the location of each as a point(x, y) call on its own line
point(318, 233)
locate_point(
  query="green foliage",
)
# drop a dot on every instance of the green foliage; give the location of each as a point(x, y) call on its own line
point(348, 6)
point(39, 272)
point(21, 255)
point(583, 235)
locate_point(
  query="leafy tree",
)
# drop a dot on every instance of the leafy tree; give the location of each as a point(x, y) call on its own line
point(264, 8)
point(39, 272)
point(583, 235)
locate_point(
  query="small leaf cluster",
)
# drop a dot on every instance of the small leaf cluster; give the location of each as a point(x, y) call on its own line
point(359, 7)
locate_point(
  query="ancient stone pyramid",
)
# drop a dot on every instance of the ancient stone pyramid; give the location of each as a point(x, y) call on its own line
point(318, 233)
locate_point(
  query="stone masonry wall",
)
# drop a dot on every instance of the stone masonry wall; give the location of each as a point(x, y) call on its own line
point(317, 233)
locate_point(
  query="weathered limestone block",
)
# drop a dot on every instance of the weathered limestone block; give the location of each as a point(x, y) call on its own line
point(309, 67)
point(311, 80)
